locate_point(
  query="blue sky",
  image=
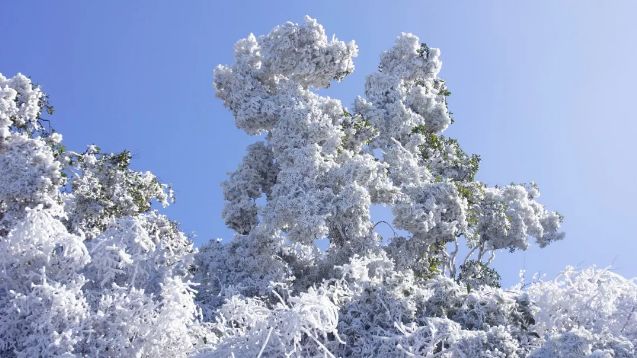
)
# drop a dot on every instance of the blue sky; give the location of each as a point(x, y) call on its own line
point(542, 90)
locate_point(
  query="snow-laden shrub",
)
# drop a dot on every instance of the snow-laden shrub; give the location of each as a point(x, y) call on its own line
point(128, 322)
point(50, 319)
point(299, 326)
point(590, 311)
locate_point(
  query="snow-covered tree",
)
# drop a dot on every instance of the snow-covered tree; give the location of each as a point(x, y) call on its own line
point(321, 165)
point(90, 267)
point(87, 267)
point(315, 173)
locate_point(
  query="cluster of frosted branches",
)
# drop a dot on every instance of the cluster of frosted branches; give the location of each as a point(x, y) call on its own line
point(374, 310)
point(89, 268)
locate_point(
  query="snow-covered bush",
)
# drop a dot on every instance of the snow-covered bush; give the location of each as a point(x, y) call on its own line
point(88, 267)
point(592, 311)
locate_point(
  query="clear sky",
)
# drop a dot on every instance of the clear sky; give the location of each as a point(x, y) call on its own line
point(542, 90)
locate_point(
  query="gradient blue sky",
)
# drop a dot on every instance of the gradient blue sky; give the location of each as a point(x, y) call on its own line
point(543, 90)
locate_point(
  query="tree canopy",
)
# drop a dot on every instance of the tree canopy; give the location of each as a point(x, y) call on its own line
point(91, 267)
